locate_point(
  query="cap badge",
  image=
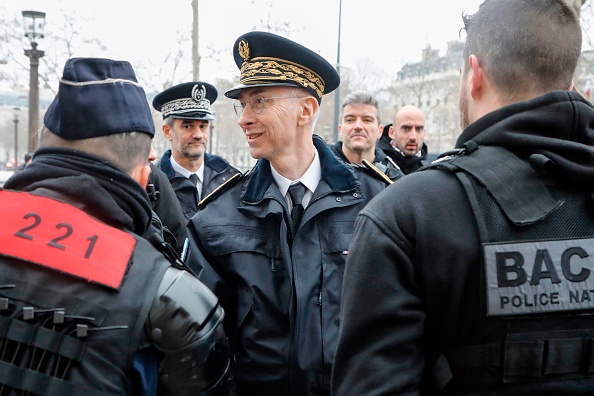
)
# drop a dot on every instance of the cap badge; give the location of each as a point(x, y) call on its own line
point(244, 50)
point(198, 93)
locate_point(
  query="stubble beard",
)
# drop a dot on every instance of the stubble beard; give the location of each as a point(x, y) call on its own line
point(464, 116)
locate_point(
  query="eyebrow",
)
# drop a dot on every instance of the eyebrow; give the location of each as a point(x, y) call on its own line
point(258, 91)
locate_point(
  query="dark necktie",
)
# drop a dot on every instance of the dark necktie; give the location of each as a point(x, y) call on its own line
point(297, 191)
point(194, 179)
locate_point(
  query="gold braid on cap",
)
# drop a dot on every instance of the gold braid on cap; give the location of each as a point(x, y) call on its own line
point(268, 70)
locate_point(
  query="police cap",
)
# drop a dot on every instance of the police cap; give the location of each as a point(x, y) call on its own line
point(98, 97)
point(191, 100)
point(266, 59)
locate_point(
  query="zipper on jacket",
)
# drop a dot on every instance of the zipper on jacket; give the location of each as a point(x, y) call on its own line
point(272, 265)
point(320, 299)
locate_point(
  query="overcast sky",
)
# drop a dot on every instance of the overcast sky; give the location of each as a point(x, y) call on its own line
point(390, 33)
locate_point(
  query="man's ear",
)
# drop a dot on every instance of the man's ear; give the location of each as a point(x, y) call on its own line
point(141, 174)
point(309, 108)
point(572, 86)
point(380, 131)
point(476, 77)
point(166, 131)
point(392, 132)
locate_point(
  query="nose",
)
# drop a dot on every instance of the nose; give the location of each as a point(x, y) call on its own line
point(198, 133)
point(246, 117)
point(152, 154)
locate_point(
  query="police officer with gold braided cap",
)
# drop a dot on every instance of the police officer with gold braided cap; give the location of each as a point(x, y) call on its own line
point(87, 305)
point(187, 116)
point(272, 244)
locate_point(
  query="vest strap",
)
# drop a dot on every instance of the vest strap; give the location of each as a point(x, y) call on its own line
point(41, 384)
point(527, 358)
point(514, 185)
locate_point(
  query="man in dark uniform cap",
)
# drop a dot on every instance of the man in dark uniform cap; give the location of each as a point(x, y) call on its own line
point(87, 305)
point(192, 172)
point(273, 254)
point(473, 276)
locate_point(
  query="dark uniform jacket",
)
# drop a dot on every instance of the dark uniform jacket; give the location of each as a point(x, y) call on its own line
point(216, 171)
point(408, 164)
point(99, 362)
point(166, 205)
point(81, 290)
point(281, 294)
point(420, 287)
point(381, 161)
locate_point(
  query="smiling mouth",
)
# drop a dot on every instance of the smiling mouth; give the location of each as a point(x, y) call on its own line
point(253, 136)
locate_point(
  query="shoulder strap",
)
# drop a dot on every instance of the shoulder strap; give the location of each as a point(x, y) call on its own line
point(232, 181)
point(515, 186)
point(372, 170)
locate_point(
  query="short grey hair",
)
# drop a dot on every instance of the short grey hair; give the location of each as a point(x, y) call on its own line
point(360, 98)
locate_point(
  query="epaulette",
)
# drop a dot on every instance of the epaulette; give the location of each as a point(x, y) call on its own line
point(232, 181)
point(372, 170)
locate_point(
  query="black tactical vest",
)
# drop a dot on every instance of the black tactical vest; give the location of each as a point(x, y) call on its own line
point(65, 334)
point(537, 280)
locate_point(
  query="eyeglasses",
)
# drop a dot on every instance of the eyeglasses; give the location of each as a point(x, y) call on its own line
point(257, 103)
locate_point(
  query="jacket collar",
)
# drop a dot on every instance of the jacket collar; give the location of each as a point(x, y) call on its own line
point(338, 176)
point(213, 162)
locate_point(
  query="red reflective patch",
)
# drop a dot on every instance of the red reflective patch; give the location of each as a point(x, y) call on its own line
point(53, 234)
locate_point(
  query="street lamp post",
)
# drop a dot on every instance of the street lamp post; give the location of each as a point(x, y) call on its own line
point(15, 119)
point(337, 92)
point(34, 23)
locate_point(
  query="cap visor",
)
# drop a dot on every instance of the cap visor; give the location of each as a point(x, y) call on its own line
point(234, 92)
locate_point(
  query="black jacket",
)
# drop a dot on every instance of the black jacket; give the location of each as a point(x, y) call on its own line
point(405, 163)
point(166, 205)
point(282, 296)
point(216, 171)
point(381, 161)
point(414, 289)
point(78, 283)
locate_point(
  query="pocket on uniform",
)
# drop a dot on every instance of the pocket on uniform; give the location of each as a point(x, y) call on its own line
point(234, 238)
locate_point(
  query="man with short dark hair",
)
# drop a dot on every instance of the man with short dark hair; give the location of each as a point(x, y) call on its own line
point(473, 276)
point(359, 131)
point(187, 116)
point(87, 305)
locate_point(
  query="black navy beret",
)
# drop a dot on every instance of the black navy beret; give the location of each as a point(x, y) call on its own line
point(266, 59)
point(98, 97)
point(191, 100)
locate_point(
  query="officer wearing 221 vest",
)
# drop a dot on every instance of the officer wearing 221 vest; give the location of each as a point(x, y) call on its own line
point(87, 306)
point(477, 278)
point(275, 258)
point(187, 115)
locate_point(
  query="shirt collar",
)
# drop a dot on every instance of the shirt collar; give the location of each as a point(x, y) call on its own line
point(310, 178)
point(418, 154)
point(186, 173)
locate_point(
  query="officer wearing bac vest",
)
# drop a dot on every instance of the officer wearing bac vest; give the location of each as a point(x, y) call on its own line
point(87, 306)
point(474, 276)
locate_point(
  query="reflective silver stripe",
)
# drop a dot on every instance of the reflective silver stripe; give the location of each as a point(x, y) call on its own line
point(99, 82)
point(539, 276)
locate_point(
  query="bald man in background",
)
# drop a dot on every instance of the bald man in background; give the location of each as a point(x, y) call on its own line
point(404, 140)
